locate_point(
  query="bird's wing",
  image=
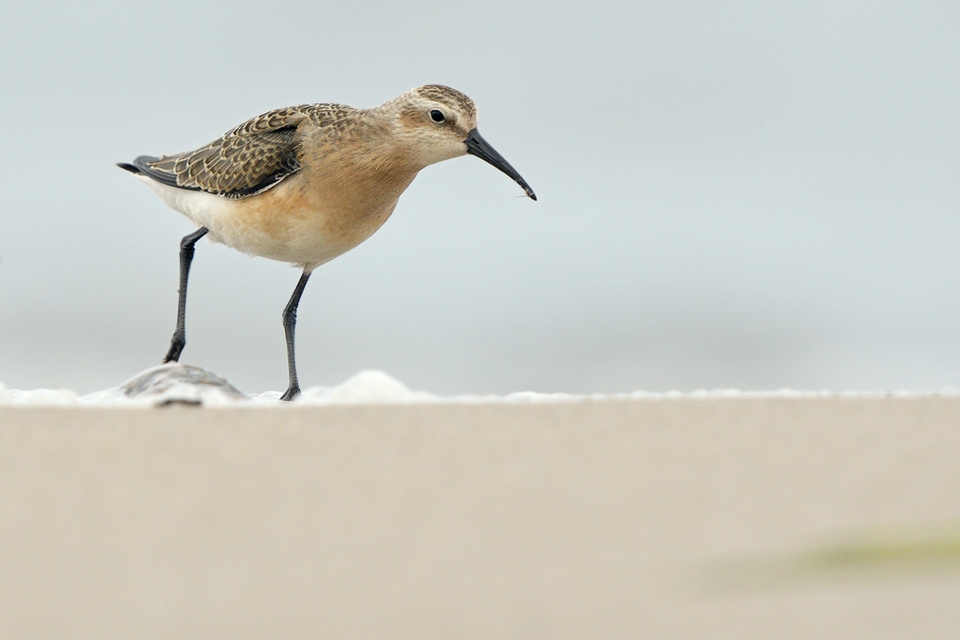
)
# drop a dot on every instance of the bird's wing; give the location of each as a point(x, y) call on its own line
point(249, 159)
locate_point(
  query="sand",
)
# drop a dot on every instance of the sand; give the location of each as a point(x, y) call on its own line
point(711, 517)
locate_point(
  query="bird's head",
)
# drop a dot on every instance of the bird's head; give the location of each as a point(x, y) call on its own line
point(438, 123)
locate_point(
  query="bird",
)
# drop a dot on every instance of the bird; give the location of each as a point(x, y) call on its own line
point(307, 183)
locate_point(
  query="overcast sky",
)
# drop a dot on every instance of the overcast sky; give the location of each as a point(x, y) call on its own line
point(737, 194)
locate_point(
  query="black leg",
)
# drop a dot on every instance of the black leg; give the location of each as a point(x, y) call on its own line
point(186, 256)
point(289, 328)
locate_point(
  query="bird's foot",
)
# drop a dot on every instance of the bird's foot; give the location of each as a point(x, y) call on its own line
point(290, 393)
point(176, 348)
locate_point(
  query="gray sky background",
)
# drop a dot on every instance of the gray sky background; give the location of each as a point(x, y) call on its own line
point(736, 194)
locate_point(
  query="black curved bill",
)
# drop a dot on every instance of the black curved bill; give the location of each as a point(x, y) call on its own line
point(479, 147)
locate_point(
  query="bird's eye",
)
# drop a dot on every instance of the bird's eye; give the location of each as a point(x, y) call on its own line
point(437, 116)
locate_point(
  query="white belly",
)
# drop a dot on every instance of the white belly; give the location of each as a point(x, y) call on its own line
point(280, 223)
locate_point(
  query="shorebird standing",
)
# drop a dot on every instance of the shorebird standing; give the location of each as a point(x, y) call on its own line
point(306, 184)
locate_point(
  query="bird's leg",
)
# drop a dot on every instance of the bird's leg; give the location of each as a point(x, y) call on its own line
point(289, 329)
point(179, 338)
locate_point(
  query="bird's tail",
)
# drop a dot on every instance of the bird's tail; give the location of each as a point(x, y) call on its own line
point(129, 167)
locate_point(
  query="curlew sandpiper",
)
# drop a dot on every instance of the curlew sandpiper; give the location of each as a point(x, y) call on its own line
point(308, 183)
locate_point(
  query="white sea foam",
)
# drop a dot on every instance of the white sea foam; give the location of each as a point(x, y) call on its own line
point(177, 384)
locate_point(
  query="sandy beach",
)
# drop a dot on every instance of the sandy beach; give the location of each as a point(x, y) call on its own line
point(740, 517)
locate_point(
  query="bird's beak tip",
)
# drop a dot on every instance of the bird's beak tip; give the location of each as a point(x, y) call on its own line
point(479, 147)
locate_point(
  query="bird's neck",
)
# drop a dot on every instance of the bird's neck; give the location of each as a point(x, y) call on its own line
point(364, 167)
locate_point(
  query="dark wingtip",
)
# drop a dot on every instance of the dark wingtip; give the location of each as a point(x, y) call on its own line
point(126, 166)
point(143, 166)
